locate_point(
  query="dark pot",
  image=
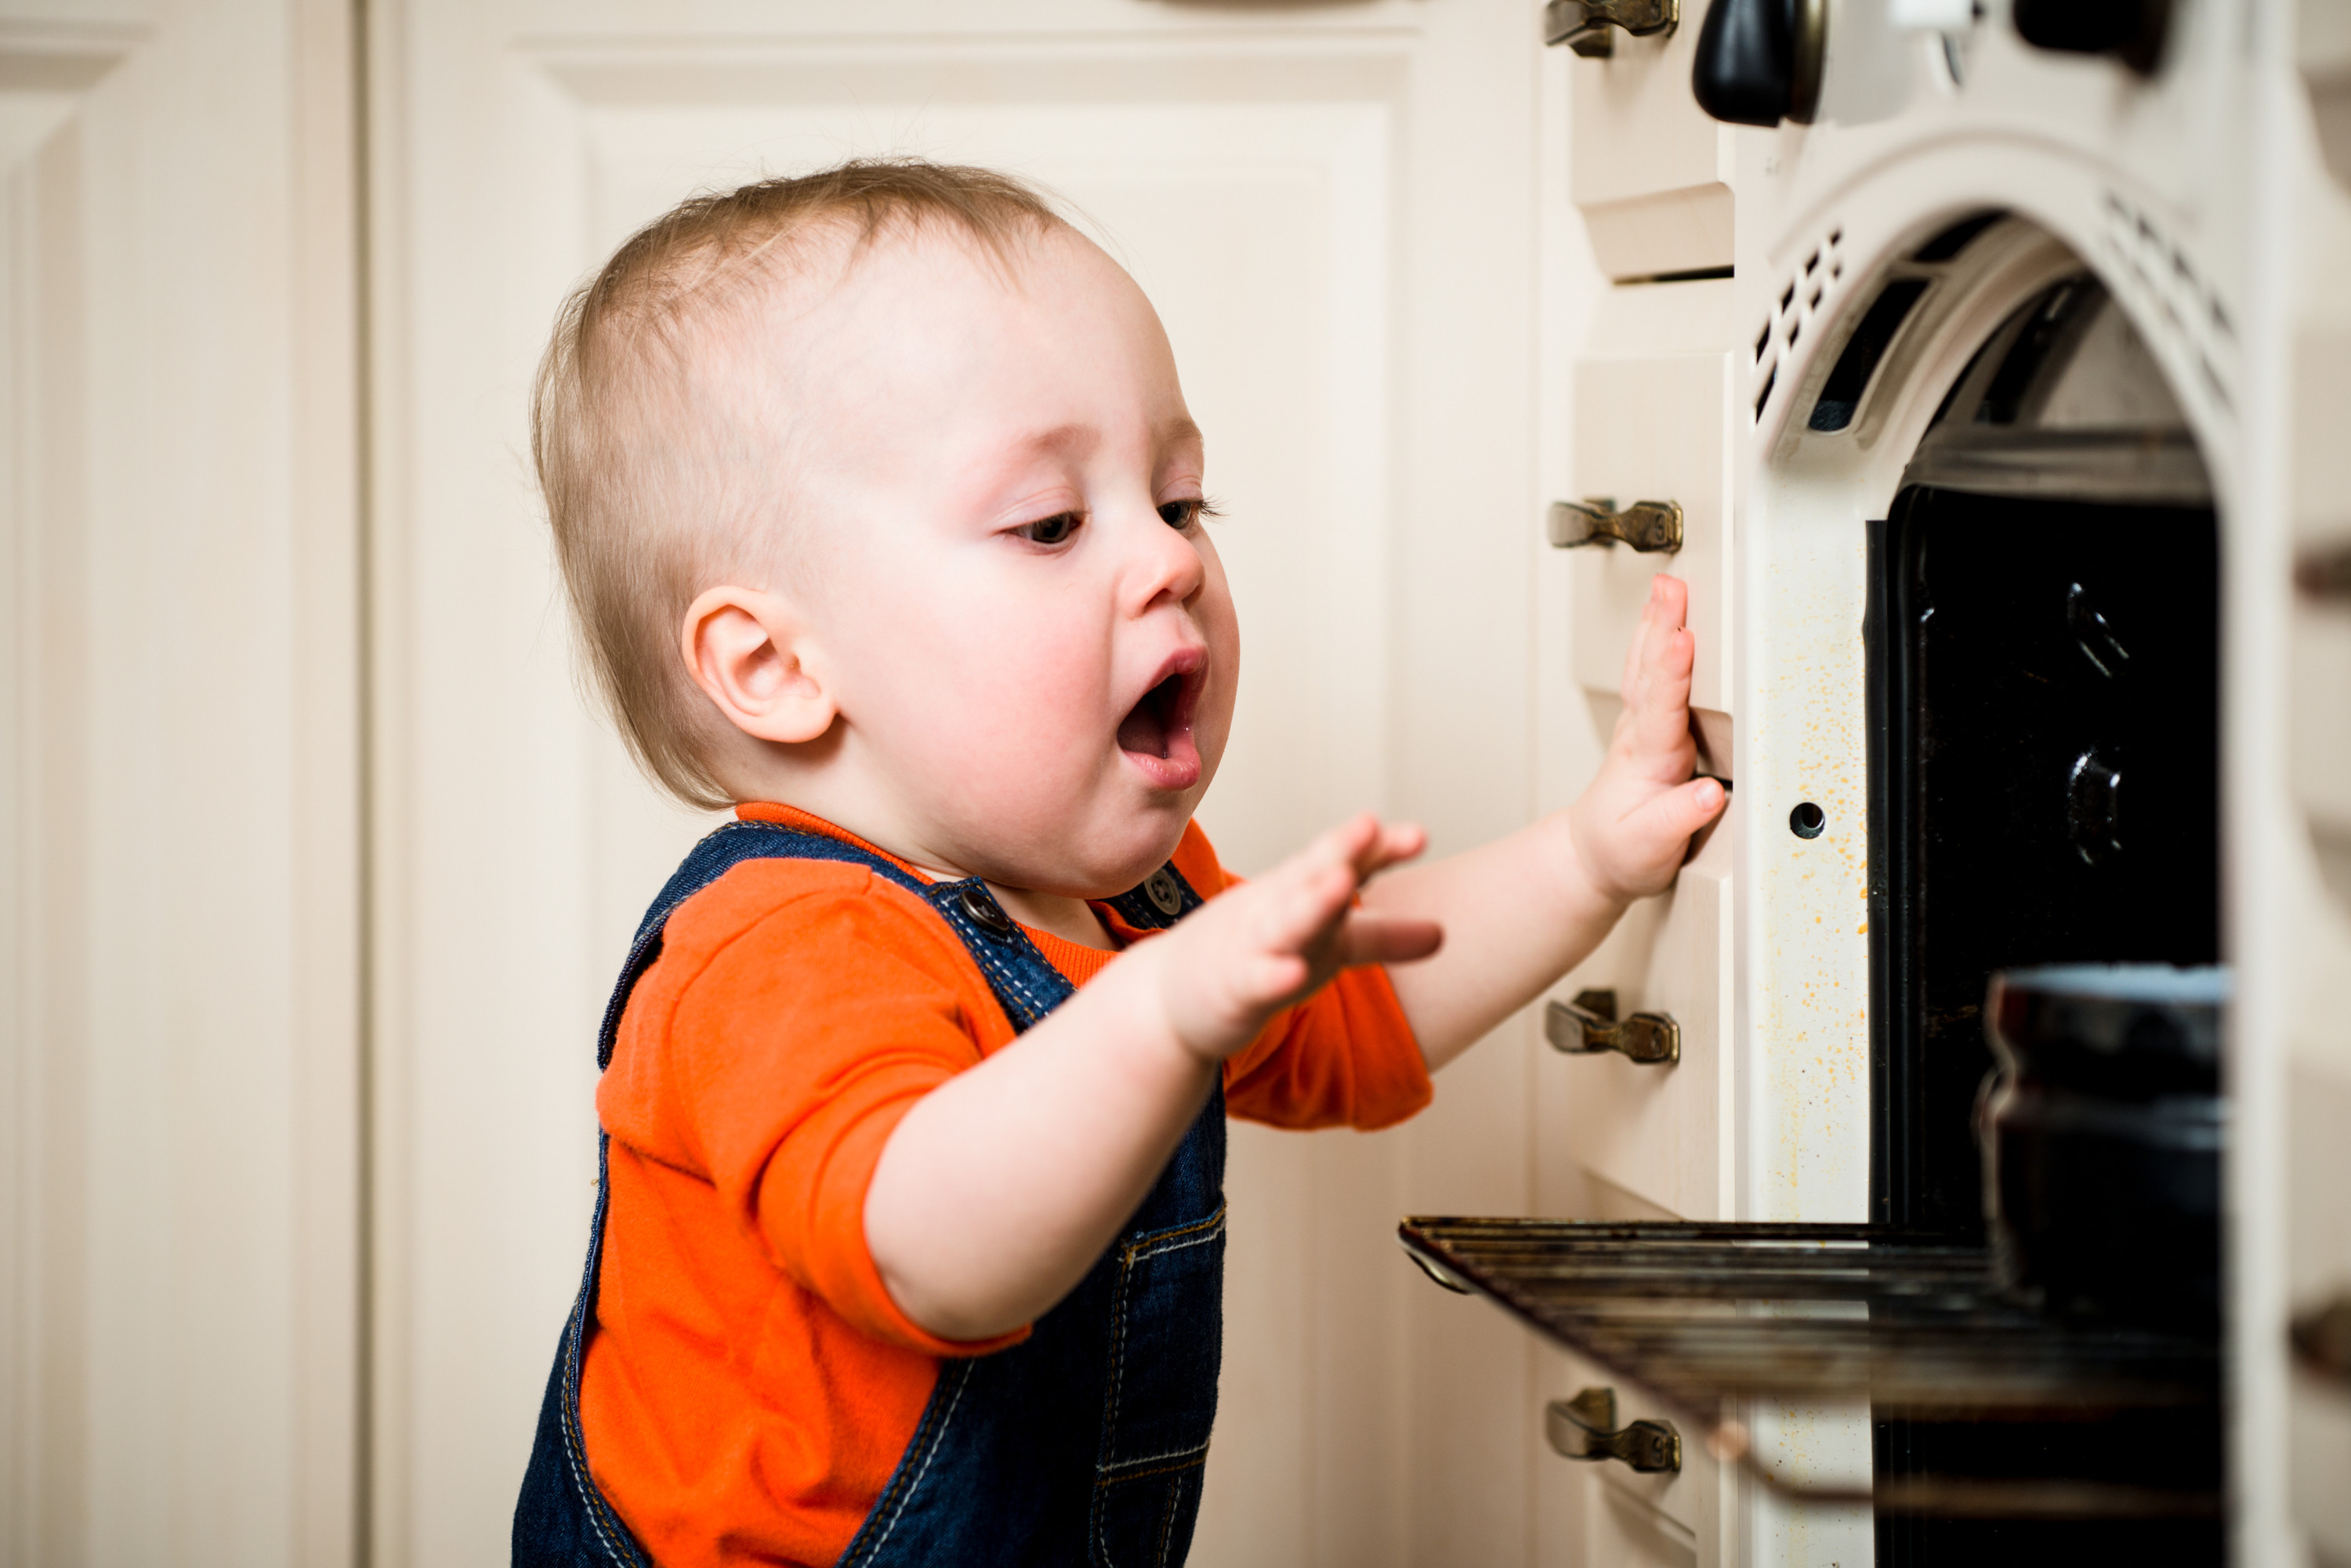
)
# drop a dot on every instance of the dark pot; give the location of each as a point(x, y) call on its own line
point(2101, 1131)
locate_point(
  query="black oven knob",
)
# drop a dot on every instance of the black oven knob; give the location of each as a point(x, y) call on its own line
point(2133, 31)
point(1759, 61)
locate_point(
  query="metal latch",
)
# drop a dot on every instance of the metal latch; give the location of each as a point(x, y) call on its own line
point(1644, 525)
point(1587, 1026)
point(1583, 25)
point(1584, 1427)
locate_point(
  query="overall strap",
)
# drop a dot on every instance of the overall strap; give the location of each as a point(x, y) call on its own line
point(719, 853)
point(1025, 983)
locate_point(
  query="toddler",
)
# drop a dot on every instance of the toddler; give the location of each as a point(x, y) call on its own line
point(882, 516)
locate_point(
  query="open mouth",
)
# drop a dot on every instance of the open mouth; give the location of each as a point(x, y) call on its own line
point(1156, 733)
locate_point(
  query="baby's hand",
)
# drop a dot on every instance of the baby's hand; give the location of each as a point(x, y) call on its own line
point(1633, 824)
point(1244, 957)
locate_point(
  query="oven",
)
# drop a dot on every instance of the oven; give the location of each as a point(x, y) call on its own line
point(1974, 363)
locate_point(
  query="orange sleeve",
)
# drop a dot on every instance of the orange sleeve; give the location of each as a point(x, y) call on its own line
point(1343, 1057)
point(793, 1053)
point(1346, 1056)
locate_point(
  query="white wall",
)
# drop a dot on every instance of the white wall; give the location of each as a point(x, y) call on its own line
point(177, 875)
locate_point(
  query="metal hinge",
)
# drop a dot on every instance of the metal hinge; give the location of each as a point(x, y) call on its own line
point(1587, 1026)
point(2325, 573)
point(1583, 25)
point(1584, 1427)
point(1644, 525)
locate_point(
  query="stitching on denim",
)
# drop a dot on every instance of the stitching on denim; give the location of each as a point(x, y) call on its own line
point(575, 1443)
point(997, 967)
point(932, 1452)
point(1106, 1470)
point(1104, 1483)
point(1117, 1386)
point(575, 1447)
point(1007, 973)
point(1197, 1449)
point(1163, 1248)
point(1149, 1246)
point(926, 1433)
point(1167, 1521)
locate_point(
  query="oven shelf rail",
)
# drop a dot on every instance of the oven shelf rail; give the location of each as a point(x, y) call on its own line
point(1711, 1318)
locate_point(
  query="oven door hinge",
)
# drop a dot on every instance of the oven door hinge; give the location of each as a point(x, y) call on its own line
point(1646, 526)
point(1583, 25)
point(1584, 1427)
point(1588, 1026)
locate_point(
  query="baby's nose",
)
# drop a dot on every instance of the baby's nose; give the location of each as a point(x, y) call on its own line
point(1168, 563)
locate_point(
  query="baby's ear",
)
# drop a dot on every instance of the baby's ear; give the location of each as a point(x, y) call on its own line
point(748, 652)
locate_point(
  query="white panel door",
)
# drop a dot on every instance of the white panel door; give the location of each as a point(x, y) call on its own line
point(1331, 208)
point(178, 804)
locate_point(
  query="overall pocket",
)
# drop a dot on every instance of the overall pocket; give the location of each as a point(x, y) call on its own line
point(1166, 1339)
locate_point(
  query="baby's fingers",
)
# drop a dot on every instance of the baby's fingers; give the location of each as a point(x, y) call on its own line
point(1662, 614)
point(1299, 907)
point(1369, 938)
point(1658, 688)
point(1395, 843)
point(1668, 818)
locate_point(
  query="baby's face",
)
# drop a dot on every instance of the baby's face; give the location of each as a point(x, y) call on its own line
point(1023, 623)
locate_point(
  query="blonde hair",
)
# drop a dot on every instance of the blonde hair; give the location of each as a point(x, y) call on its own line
point(638, 445)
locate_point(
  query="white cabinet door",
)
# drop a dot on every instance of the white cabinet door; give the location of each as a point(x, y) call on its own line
point(178, 796)
point(1330, 206)
point(1641, 405)
point(1652, 173)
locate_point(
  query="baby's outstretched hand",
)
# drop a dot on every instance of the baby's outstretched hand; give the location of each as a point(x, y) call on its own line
point(1633, 824)
point(1244, 957)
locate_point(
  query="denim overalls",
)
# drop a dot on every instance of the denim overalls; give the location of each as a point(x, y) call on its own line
point(1083, 1443)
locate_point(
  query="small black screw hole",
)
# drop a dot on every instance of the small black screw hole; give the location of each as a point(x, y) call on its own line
point(1807, 821)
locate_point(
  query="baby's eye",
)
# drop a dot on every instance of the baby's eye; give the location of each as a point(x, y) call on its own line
point(1052, 531)
point(1182, 515)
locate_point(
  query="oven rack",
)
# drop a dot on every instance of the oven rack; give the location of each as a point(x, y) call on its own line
point(1712, 1318)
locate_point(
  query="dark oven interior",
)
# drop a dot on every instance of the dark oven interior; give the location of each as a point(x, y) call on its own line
point(2043, 642)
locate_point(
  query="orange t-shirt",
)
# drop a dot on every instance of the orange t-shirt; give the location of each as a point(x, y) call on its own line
point(751, 1384)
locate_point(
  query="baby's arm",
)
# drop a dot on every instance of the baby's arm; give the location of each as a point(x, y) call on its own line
point(1523, 910)
point(998, 1189)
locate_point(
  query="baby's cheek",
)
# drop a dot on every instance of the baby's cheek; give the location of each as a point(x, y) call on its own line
point(1040, 692)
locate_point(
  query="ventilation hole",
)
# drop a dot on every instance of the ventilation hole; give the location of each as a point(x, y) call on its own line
point(1840, 394)
point(1954, 239)
point(1788, 296)
point(1810, 262)
point(1770, 381)
point(2221, 317)
point(1762, 342)
point(1794, 329)
point(1815, 302)
point(1837, 236)
point(1836, 269)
